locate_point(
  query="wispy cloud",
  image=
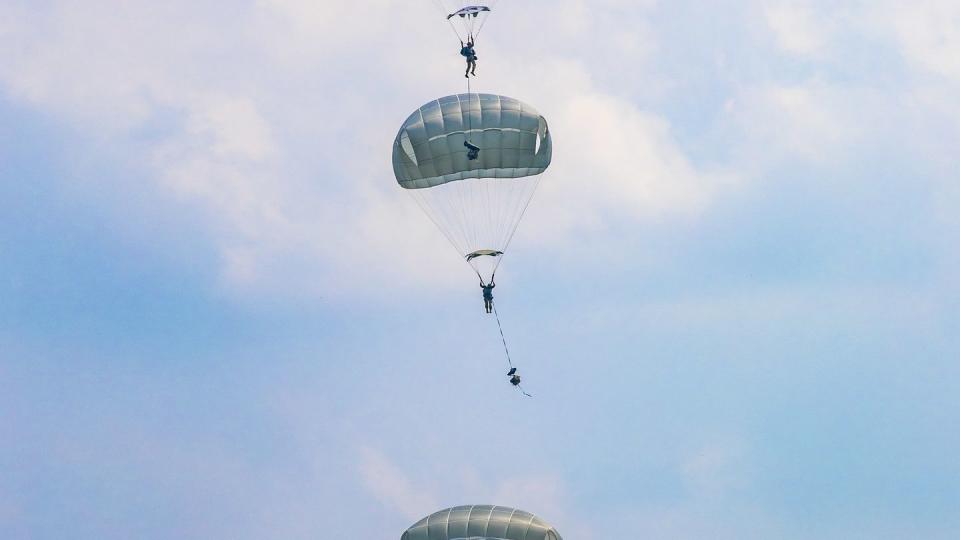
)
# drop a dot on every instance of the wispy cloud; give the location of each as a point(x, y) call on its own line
point(392, 487)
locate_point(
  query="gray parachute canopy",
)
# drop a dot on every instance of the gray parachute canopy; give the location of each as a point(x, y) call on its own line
point(481, 522)
point(513, 138)
point(476, 203)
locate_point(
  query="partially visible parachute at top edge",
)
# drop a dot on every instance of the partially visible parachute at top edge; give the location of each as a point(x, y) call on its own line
point(477, 204)
point(466, 19)
point(481, 522)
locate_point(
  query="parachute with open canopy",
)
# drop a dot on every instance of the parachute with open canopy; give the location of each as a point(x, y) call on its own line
point(481, 522)
point(469, 11)
point(466, 18)
point(477, 203)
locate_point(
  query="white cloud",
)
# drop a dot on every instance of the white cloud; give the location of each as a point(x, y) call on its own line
point(816, 122)
point(113, 72)
point(624, 159)
point(392, 488)
point(797, 27)
point(928, 32)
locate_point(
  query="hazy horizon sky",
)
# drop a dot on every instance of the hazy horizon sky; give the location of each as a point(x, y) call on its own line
point(735, 297)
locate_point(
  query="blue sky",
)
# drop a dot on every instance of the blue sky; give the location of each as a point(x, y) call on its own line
point(735, 296)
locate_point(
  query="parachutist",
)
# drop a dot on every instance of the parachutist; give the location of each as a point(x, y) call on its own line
point(473, 151)
point(488, 295)
point(471, 55)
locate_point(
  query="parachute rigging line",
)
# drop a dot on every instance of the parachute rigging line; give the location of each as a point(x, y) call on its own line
point(452, 27)
point(493, 4)
point(522, 213)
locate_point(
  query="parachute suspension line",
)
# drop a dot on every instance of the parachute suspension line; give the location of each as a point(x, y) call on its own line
point(440, 216)
point(484, 21)
point(500, 327)
point(523, 212)
point(452, 27)
point(422, 203)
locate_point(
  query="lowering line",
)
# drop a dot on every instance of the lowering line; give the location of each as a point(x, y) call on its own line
point(503, 339)
point(506, 350)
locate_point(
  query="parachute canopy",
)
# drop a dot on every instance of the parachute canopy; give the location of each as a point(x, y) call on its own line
point(477, 203)
point(481, 522)
point(513, 138)
point(469, 11)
